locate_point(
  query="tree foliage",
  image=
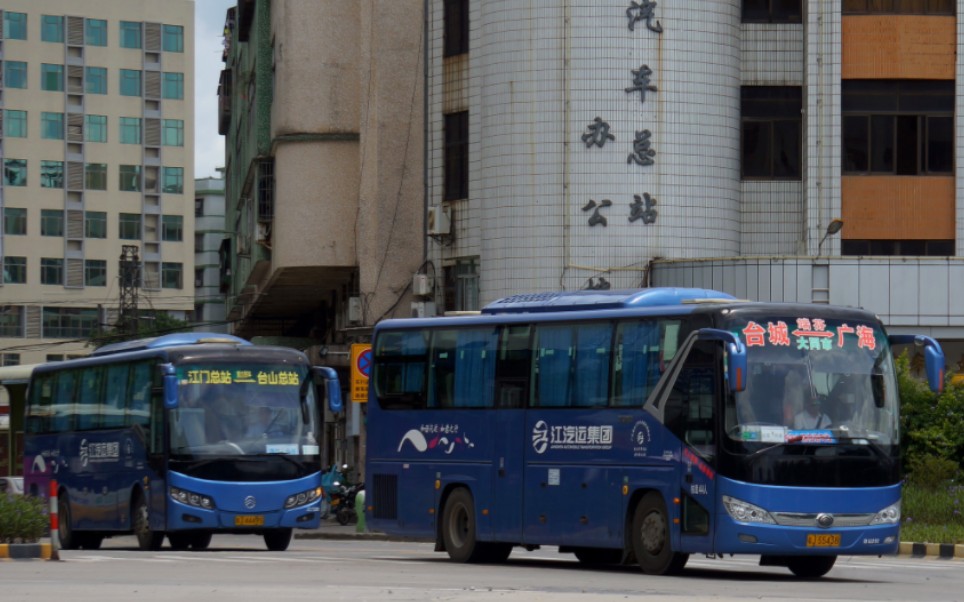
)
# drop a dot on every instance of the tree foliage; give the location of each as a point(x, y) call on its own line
point(148, 326)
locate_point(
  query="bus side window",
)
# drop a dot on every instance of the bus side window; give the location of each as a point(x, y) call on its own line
point(139, 401)
point(115, 395)
point(475, 367)
point(636, 364)
point(90, 397)
point(691, 408)
point(40, 405)
point(65, 401)
point(513, 368)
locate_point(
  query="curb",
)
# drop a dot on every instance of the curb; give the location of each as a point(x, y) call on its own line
point(942, 551)
point(27, 551)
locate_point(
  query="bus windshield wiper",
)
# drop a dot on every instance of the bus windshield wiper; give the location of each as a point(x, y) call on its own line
point(787, 441)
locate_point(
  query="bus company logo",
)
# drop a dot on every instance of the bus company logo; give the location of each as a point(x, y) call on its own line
point(576, 437)
point(641, 438)
point(107, 451)
point(250, 502)
point(439, 439)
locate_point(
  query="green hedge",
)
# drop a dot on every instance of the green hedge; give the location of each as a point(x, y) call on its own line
point(23, 519)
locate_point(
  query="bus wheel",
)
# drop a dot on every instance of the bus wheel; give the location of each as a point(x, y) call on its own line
point(91, 541)
point(458, 527)
point(180, 540)
point(201, 540)
point(651, 538)
point(598, 555)
point(68, 539)
point(277, 540)
point(811, 567)
point(146, 538)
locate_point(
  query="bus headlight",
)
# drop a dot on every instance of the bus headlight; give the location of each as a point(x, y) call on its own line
point(746, 512)
point(191, 499)
point(888, 516)
point(302, 498)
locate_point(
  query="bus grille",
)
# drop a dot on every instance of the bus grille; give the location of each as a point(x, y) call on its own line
point(799, 519)
point(385, 496)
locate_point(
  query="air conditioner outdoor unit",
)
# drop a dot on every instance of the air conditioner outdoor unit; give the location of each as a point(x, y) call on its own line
point(423, 309)
point(354, 309)
point(421, 285)
point(439, 220)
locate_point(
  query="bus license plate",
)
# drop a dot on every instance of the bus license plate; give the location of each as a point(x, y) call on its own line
point(249, 520)
point(823, 540)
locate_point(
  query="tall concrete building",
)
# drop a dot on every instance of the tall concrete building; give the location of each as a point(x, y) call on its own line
point(780, 151)
point(208, 233)
point(97, 151)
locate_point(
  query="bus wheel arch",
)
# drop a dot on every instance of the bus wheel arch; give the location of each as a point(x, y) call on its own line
point(147, 539)
point(651, 537)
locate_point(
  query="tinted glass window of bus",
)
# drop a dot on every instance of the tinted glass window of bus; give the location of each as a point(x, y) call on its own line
point(462, 371)
point(90, 412)
point(401, 362)
point(115, 394)
point(64, 405)
point(139, 406)
point(572, 365)
point(513, 367)
point(40, 406)
point(637, 363)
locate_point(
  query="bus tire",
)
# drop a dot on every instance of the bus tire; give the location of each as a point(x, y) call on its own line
point(458, 527)
point(65, 531)
point(277, 540)
point(180, 540)
point(147, 539)
point(91, 541)
point(200, 540)
point(810, 567)
point(651, 538)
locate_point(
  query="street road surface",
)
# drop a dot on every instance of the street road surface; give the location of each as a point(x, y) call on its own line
point(238, 568)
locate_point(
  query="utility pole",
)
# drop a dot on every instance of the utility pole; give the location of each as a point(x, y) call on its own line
point(130, 281)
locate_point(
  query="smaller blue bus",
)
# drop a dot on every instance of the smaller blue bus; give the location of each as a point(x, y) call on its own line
point(184, 436)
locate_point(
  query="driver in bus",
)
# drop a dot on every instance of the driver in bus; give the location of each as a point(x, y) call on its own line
point(812, 417)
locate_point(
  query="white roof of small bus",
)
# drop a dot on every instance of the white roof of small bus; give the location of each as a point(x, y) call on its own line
point(16, 374)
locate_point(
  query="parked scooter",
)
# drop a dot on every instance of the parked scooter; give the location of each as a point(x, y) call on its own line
point(330, 484)
point(345, 512)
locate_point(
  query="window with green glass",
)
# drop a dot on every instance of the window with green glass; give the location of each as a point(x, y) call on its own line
point(130, 82)
point(14, 221)
point(14, 270)
point(173, 180)
point(95, 128)
point(14, 25)
point(51, 222)
point(130, 34)
point(95, 272)
point(52, 126)
point(95, 80)
point(15, 172)
point(172, 132)
point(51, 77)
point(173, 38)
point(95, 176)
point(52, 174)
point(95, 32)
point(129, 226)
point(172, 228)
point(14, 123)
point(171, 275)
point(95, 224)
point(130, 178)
point(173, 86)
point(51, 270)
point(130, 130)
point(52, 29)
point(15, 74)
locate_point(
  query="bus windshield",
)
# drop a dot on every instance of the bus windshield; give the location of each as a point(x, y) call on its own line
point(243, 410)
point(815, 381)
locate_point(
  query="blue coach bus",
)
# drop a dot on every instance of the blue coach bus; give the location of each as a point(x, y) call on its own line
point(183, 435)
point(640, 426)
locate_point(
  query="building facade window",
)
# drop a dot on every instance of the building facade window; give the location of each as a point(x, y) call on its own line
point(95, 272)
point(920, 248)
point(10, 359)
point(899, 7)
point(172, 86)
point(14, 221)
point(130, 178)
point(52, 126)
point(129, 226)
point(52, 174)
point(14, 25)
point(52, 77)
point(52, 29)
point(51, 222)
point(14, 270)
point(95, 128)
point(51, 270)
point(15, 74)
point(15, 172)
point(95, 176)
point(771, 132)
point(462, 285)
point(772, 11)
point(456, 29)
point(11, 320)
point(130, 82)
point(172, 228)
point(95, 224)
point(173, 180)
point(456, 157)
point(14, 123)
point(171, 275)
point(172, 132)
point(95, 80)
point(130, 34)
point(900, 127)
point(173, 38)
point(68, 322)
point(130, 130)
point(95, 32)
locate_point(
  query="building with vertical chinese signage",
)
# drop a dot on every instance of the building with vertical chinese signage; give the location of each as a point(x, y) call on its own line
point(780, 151)
point(97, 150)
